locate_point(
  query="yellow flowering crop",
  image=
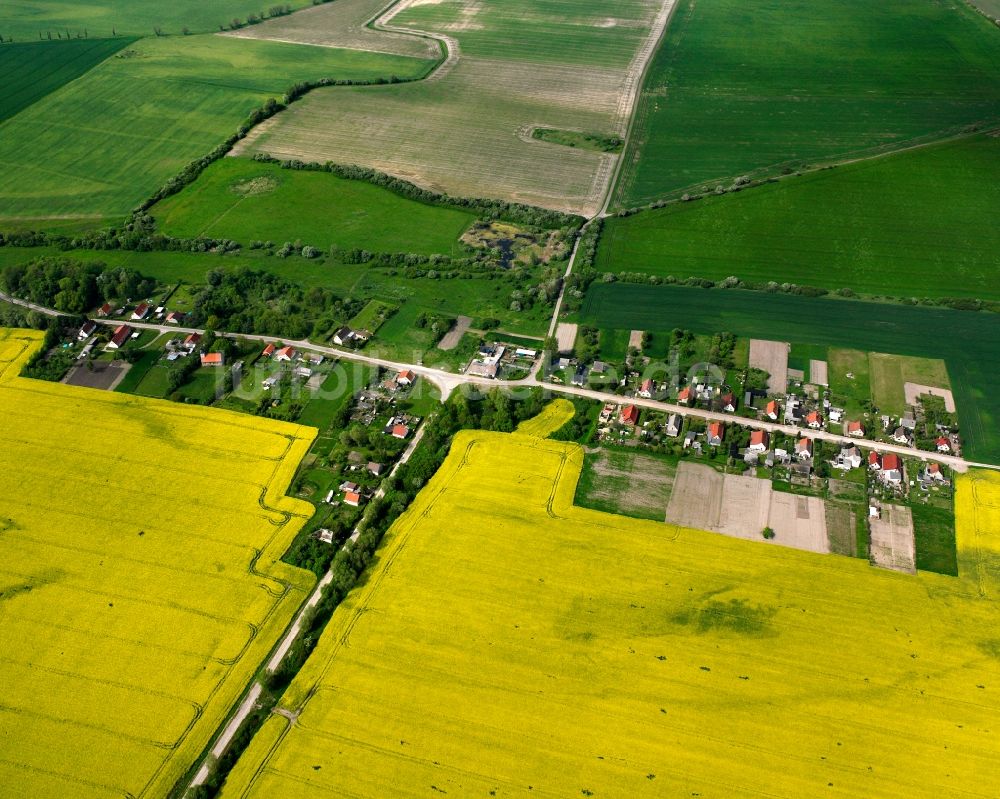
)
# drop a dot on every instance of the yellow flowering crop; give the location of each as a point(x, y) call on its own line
point(511, 644)
point(139, 583)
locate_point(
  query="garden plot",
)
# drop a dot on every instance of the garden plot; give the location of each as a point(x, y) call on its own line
point(772, 357)
point(892, 539)
point(343, 23)
point(461, 134)
point(742, 507)
point(628, 483)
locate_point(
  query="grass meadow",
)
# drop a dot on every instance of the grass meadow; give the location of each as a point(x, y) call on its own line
point(101, 144)
point(34, 70)
point(920, 223)
point(968, 342)
point(27, 20)
point(508, 643)
point(740, 88)
point(466, 132)
point(241, 199)
point(141, 585)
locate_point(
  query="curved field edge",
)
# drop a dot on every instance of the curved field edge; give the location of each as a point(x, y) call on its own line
point(463, 132)
point(759, 625)
point(917, 223)
point(286, 586)
point(804, 84)
point(553, 416)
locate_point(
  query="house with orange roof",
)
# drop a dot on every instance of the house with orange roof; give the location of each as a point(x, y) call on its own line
point(771, 411)
point(629, 415)
point(760, 440)
point(715, 433)
point(212, 359)
point(684, 396)
point(855, 429)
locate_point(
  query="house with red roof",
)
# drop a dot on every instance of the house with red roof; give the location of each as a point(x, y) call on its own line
point(874, 461)
point(141, 311)
point(728, 402)
point(814, 420)
point(122, 334)
point(285, 354)
point(406, 377)
point(684, 396)
point(212, 359)
point(105, 310)
point(629, 415)
point(268, 351)
point(892, 469)
point(771, 411)
point(646, 389)
point(715, 433)
point(174, 318)
point(942, 444)
point(192, 341)
point(855, 429)
point(400, 431)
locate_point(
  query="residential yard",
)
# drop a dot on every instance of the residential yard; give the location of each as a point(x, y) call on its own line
point(890, 372)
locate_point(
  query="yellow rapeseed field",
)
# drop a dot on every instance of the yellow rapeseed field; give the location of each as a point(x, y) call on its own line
point(139, 582)
point(511, 644)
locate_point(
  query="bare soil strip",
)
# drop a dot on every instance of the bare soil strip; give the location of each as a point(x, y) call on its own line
point(772, 357)
point(454, 336)
point(566, 336)
point(742, 507)
point(893, 545)
point(818, 373)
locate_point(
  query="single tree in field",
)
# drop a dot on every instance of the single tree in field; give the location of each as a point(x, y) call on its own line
point(768, 533)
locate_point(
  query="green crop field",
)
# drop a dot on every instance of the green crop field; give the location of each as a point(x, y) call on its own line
point(240, 199)
point(916, 224)
point(99, 145)
point(27, 20)
point(508, 643)
point(742, 87)
point(34, 70)
point(467, 131)
point(969, 343)
point(140, 586)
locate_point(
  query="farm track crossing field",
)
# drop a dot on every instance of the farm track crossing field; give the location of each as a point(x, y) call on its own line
point(915, 224)
point(241, 199)
point(520, 64)
point(738, 87)
point(343, 23)
point(140, 586)
point(101, 144)
point(969, 343)
point(34, 70)
point(27, 20)
point(533, 648)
